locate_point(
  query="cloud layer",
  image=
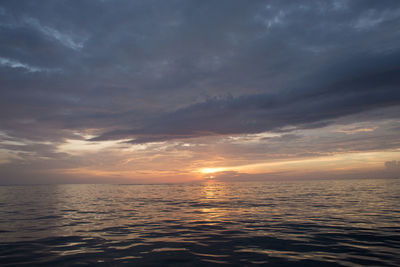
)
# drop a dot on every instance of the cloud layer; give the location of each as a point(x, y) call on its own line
point(179, 71)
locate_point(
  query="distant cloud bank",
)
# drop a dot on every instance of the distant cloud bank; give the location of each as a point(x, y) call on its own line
point(393, 165)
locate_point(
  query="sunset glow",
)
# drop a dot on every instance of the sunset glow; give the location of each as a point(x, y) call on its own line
point(199, 133)
point(258, 100)
point(211, 170)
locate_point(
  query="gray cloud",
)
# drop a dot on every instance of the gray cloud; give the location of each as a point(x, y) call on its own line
point(373, 84)
point(152, 71)
point(392, 165)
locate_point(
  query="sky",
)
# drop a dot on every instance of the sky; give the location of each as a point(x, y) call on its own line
point(148, 91)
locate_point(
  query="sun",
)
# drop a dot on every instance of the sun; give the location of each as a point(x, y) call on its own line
point(211, 170)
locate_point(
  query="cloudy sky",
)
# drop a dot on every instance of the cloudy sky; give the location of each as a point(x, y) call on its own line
point(150, 91)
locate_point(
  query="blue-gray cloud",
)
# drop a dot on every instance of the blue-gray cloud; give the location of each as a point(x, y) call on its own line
point(372, 84)
point(156, 70)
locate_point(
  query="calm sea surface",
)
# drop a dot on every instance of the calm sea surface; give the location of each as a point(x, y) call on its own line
point(307, 223)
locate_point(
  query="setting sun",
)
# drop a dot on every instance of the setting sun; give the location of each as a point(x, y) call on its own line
point(211, 170)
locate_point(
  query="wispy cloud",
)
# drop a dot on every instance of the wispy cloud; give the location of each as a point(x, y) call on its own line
point(64, 39)
point(6, 62)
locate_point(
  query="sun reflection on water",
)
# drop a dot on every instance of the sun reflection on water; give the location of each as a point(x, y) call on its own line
point(211, 219)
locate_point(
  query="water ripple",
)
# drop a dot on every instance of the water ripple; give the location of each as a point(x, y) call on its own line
point(330, 223)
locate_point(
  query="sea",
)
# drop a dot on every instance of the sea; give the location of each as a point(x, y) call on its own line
point(271, 223)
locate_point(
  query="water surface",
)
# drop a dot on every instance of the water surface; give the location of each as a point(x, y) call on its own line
point(306, 223)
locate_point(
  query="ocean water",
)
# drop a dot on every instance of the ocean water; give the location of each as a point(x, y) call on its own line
point(301, 223)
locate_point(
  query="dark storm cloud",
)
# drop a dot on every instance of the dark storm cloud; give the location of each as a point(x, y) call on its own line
point(373, 84)
point(159, 70)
